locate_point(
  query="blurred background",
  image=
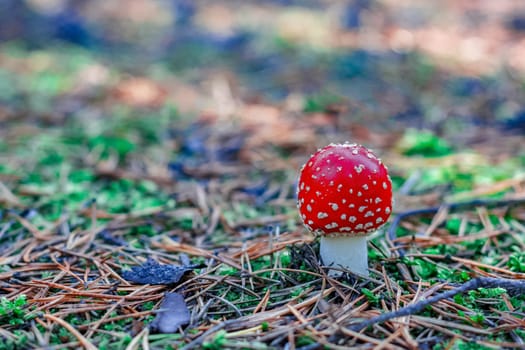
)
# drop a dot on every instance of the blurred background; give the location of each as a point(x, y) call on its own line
point(443, 65)
point(165, 128)
point(409, 77)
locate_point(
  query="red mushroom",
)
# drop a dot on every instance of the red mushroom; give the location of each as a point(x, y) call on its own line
point(344, 194)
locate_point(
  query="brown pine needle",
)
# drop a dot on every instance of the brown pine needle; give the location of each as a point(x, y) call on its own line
point(85, 343)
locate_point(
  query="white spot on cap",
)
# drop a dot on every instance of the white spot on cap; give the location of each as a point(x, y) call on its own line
point(345, 229)
point(385, 186)
point(362, 208)
point(378, 200)
point(365, 187)
point(369, 224)
point(331, 183)
point(339, 187)
point(334, 206)
point(359, 226)
point(352, 219)
point(355, 151)
point(318, 193)
point(331, 226)
point(352, 205)
point(314, 177)
point(351, 191)
point(359, 194)
point(343, 201)
point(307, 188)
point(318, 169)
point(322, 215)
point(339, 168)
point(359, 168)
point(343, 217)
point(310, 222)
point(387, 210)
point(369, 214)
point(379, 220)
point(308, 207)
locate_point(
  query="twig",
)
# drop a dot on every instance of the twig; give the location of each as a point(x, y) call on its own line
point(200, 339)
point(85, 343)
point(512, 286)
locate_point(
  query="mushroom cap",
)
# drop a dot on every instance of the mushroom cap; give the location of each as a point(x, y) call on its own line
point(344, 189)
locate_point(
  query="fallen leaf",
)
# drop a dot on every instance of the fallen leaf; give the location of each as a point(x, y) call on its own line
point(151, 272)
point(172, 314)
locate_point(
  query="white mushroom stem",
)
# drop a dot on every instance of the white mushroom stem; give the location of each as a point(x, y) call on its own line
point(346, 252)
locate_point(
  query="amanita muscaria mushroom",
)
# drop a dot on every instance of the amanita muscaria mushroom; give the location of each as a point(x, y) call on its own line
point(344, 194)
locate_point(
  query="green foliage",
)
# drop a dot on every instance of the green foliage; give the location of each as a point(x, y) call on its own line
point(304, 340)
point(225, 270)
point(425, 269)
point(320, 103)
point(441, 249)
point(13, 312)
point(397, 181)
point(21, 341)
point(470, 299)
point(297, 292)
point(516, 262)
point(460, 344)
point(459, 276)
point(477, 318)
point(425, 143)
point(286, 259)
point(371, 296)
point(81, 175)
point(109, 342)
point(218, 341)
point(112, 144)
point(453, 224)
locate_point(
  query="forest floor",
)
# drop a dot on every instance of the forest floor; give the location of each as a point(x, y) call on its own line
point(147, 179)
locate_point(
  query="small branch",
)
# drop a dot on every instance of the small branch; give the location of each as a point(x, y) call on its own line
point(201, 338)
point(513, 287)
point(83, 341)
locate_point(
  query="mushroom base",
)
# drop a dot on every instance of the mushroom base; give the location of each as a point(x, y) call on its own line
point(350, 253)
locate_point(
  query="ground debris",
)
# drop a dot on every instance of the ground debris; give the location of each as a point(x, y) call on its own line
point(151, 272)
point(172, 314)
